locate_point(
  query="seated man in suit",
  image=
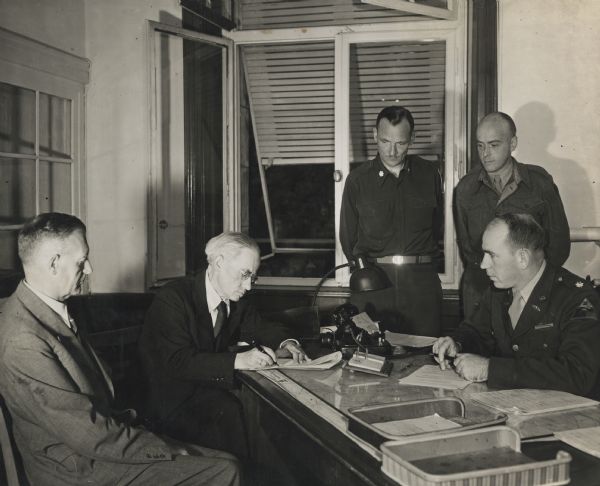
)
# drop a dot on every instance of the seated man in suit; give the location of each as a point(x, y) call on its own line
point(189, 347)
point(538, 329)
point(58, 393)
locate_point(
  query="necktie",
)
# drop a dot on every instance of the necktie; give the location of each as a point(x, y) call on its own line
point(221, 317)
point(515, 309)
point(73, 325)
point(497, 181)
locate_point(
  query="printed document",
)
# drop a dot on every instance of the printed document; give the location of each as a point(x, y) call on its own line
point(419, 425)
point(530, 401)
point(323, 363)
point(586, 440)
point(433, 376)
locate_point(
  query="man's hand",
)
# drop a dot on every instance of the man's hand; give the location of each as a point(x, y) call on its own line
point(254, 358)
point(442, 348)
point(472, 367)
point(293, 349)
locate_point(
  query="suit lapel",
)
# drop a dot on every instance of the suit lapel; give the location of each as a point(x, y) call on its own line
point(535, 307)
point(71, 352)
point(202, 331)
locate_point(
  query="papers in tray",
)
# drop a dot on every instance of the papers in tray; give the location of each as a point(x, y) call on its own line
point(530, 401)
point(409, 340)
point(586, 440)
point(433, 376)
point(323, 363)
point(419, 425)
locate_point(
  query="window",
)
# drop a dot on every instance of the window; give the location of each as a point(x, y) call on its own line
point(41, 89)
point(312, 95)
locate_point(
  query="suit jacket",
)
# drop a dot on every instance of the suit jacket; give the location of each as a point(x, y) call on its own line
point(555, 342)
point(60, 397)
point(179, 351)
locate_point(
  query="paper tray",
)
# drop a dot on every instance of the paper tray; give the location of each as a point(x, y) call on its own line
point(489, 456)
point(361, 419)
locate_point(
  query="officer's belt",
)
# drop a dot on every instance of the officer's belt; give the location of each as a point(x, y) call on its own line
point(399, 259)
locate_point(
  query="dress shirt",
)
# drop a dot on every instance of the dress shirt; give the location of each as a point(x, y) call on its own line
point(59, 307)
point(528, 288)
point(213, 300)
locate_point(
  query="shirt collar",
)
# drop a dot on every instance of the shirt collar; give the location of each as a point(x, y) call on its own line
point(514, 172)
point(528, 288)
point(212, 298)
point(59, 307)
point(382, 172)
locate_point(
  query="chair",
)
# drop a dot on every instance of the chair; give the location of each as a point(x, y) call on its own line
point(13, 469)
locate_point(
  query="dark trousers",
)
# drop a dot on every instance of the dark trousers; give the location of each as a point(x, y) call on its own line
point(412, 306)
point(473, 284)
point(211, 417)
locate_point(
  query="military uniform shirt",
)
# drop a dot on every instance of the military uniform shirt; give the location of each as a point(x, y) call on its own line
point(383, 215)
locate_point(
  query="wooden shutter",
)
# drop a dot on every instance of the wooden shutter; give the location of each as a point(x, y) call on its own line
point(291, 92)
point(408, 74)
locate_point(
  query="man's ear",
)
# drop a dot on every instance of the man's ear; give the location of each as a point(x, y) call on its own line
point(54, 261)
point(218, 261)
point(375, 134)
point(523, 258)
point(513, 143)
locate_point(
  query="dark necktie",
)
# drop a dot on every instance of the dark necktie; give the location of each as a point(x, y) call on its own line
point(221, 317)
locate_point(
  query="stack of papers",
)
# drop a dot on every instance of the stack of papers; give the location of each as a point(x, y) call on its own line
point(323, 363)
point(586, 440)
point(530, 401)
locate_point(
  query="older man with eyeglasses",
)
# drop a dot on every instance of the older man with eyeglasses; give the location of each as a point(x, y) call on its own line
point(197, 332)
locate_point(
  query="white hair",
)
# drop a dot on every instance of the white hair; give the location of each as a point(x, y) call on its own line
point(229, 243)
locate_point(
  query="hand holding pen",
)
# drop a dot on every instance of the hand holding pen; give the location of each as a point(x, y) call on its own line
point(257, 357)
point(444, 350)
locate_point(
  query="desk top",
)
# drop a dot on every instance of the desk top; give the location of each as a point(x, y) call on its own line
point(345, 389)
point(342, 389)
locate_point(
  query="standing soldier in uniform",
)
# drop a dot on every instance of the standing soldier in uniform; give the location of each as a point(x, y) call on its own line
point(503, 185)
point(392, 212)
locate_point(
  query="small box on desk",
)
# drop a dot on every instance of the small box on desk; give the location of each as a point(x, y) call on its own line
point(378, 423)
point(484, 456)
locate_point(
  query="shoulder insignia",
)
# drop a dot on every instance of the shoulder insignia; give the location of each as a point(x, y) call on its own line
point(586, 309)
point(579, 284)
point(381, 173)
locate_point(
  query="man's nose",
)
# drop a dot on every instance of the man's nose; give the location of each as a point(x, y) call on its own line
point(485, 263)
point(87, 267)
point(247, 283)
point(485, 151)
point(394, 150)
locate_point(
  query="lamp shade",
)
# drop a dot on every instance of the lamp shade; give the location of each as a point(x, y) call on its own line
point(366, 278)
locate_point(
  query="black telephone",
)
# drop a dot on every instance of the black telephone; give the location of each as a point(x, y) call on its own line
point(348, 337)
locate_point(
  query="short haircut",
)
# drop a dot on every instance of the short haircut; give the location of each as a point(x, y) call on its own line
point(395, 114)
point(523, 231)
point(43, 227)
point(229, 243)
point(498, 114)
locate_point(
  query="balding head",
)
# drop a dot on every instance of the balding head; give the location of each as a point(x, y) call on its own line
point(496, 140)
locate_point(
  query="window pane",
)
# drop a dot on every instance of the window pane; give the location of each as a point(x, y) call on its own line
point(17, 119)
point(17, 190)
point(55, 126)
point(9, 259)
point(302, 209)
point(55, 187)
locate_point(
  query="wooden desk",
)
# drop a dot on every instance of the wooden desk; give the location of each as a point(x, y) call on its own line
point(293, 445)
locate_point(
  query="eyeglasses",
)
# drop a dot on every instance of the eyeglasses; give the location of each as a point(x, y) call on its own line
point(247, 274)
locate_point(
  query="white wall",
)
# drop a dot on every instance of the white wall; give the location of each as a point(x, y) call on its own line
point(59, 23)
point(117, 138)
point(549, 75)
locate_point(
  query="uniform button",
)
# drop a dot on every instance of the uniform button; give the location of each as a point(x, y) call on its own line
point(515, 347)
point(545, 346)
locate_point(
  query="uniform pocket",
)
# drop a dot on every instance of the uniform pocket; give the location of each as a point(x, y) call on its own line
point(419, 216)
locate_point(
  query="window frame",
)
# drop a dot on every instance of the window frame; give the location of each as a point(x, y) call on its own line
point(32, 65)
point(453, 32)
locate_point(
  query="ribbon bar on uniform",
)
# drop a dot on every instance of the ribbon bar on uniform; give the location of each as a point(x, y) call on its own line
point(400, 259)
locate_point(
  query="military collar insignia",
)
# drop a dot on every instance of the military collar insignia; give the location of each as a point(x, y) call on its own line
point(579, 284)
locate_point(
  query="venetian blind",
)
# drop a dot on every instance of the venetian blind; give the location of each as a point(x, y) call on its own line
point(291, 91)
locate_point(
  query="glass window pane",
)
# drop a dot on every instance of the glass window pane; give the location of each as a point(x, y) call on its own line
point(55, 126)
point(17, 119)
point(17, 190)
point(55, 187)
point(9, 258)
point(302, 210)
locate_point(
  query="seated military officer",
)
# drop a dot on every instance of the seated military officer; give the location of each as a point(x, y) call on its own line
point(538, 328)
